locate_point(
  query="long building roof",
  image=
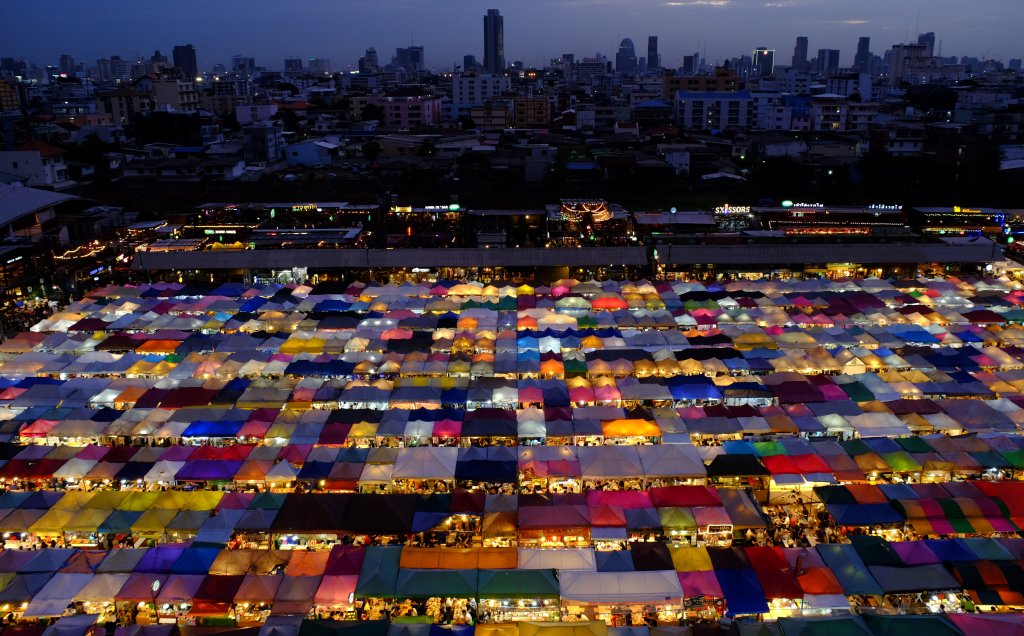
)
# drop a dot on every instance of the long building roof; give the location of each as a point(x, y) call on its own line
point(946, 251)
point(17, 202)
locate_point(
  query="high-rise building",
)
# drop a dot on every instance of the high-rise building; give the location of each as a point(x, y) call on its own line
point(828, 62)
point(369, 62)
point(625, 59)
point(243, 66)
point(293, 65)
point(799, 62)
point(410, 58)
point(763, 61)
point(494, 42)
point(928, 41)
point(103, 70)
point(862, 60)
point(653, 57)
point(184, 56)
point(318, 66)
point(67, 65)
point(469, 63)
point(899, 60)
point(1014, 64)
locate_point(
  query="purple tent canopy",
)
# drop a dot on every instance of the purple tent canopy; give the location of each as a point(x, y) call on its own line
point(208, 470)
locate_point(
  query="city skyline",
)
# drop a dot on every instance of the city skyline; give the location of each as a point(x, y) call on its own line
point(536, 31)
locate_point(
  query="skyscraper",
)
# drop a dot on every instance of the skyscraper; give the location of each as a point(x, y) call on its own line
point(293, 65)
point(243, 66)
point(410, 58)
point(185, 58)
point(67, 65)
point(494, 42)
point(862, 60)
point(369, 62)
point(653, 57)
point(764, 61)
point(800, 54)
point(928, 40)
point(625, 59)
point(828, 62)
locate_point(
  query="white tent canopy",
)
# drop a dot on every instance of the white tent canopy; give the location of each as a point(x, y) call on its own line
point(621, 587)
point(581, 559)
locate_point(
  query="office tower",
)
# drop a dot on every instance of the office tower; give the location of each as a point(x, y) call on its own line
point(763, 61)
point(67, 65)
point(653, 57)
point(469, 63)
point(104, 73)
point(625, 59)
point(184, 56)
point(862, 60)
point(494, 42)
point(410, 58)
point(800, 54)
point(293, 65)
point(319, 66)
point(928, 40)
point(828, 62)
point(899, 60)
point(243, 66)
point(690, 64)
point(369, 62)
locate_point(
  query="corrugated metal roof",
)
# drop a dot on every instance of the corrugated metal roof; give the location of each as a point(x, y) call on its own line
point(17, 201)
point(356, 258)
point(945, 252)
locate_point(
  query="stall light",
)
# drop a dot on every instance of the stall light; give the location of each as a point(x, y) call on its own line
point(351, 597)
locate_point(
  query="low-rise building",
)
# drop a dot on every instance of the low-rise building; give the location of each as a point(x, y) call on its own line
point(311, 153)
point(41, 163)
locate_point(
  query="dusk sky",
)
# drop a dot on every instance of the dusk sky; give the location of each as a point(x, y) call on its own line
point(535, 30)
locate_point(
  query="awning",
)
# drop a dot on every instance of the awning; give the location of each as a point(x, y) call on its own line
point(621, 587)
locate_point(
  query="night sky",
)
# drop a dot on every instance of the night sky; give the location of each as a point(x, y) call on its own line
point(535, 30)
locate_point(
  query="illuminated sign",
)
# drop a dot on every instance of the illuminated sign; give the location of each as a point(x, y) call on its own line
point(212, 232)
point(804, 205)
point(787, 203)
point(14, 260)
point(882, 206)
point(308, 207)
point(958, 209)
point(732, 209)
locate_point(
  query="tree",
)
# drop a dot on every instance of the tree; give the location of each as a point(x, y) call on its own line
point(371, 112)
point(371, 150)
point(290, 120)
point(426, 149)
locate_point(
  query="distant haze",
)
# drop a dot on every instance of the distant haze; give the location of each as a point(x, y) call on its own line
point(535, 30)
